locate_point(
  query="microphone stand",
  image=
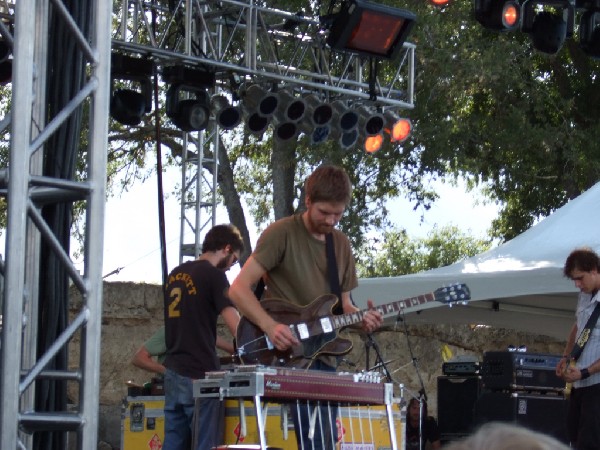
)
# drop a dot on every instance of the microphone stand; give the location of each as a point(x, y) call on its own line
point(414, 360)
point(422, 395)
point(371, 342)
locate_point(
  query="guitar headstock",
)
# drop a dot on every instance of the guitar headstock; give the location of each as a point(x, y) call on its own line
point(454, 293)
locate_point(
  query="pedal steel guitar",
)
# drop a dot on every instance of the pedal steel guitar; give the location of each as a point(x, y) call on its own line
point(289, 384)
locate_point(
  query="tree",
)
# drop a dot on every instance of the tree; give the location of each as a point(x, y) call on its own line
point(395, 253)
point(491, 108)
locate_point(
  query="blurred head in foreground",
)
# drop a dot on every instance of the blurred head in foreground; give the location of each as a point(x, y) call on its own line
point(504, 436)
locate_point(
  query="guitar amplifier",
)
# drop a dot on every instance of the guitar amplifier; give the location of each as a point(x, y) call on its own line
point(520, 371)
point(545, 413)
point(460, 368)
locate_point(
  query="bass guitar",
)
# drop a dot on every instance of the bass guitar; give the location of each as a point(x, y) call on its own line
point(316, 327)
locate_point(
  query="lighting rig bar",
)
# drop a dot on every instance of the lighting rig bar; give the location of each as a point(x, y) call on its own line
point(260, 44)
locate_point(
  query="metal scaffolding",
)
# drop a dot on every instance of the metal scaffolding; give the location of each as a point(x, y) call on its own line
point(240, 42)
point(243, 42)
point(27, 190)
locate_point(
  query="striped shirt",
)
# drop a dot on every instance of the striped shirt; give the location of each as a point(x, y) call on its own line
point(591, 351)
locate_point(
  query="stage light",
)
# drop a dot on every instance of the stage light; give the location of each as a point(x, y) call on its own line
point(226, 115)
point(589, 33)
point(290, 108)
point(317, 119)
point(5, 62)
point(373, 143)
point(187, 100)
point(499, 15)
point(370, 29)
point(255, 98)
point(344, 120)
point(397, 127)
point(440, 3)
point(319, 135)
point(285, 131)
point(348, 139)
point(318, 113)
point(289, 112)
point(549, 27)
point(369, 122)
point(127, 106)
point(255, 123)
point(188, 114)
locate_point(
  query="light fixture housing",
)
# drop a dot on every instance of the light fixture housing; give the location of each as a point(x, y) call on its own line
point(398, 128)
point(226, 115)
point(498, 15)
point(369, 29)
point(188, 114)
point(5, 62)
point(257, 99)
point(128, 106)
point(550, 27)
point(589, 33)
point(187, 100)
point(370, 122)
point(344, 120)
point(372, 143)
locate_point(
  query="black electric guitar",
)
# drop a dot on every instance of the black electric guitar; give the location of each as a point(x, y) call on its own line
point(316, 328)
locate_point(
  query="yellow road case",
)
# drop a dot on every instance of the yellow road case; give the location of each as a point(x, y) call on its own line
point(142, 423)
point(360, 427)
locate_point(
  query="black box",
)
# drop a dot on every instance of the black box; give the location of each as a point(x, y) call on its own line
point(544, 413)
point(456, 400)
point(520, 371)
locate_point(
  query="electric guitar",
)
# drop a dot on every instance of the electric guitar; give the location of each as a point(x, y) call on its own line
point(316, 328)
point(568, 386)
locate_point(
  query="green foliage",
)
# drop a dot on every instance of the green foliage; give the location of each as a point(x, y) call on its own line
point(488, 108)
point(395, 253)
point(491, 108)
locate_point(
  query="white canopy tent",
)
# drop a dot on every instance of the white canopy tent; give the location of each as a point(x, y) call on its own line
point(518, 285)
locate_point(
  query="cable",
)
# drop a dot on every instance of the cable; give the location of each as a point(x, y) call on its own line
point(402, 318)
point(66, 75)
point(159, 186)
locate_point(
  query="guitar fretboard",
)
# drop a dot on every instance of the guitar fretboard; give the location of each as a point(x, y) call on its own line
point(344, 320)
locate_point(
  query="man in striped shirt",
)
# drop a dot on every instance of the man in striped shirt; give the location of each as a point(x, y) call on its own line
point(583, 419)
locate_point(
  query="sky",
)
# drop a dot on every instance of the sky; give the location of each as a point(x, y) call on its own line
point(131, 234)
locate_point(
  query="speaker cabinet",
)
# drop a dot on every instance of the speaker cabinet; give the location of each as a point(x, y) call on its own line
point(544, 413)
point(456, 400)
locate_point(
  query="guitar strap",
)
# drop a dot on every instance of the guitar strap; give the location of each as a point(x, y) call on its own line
point(259, 289)
point(334, 281)
point(584, 336)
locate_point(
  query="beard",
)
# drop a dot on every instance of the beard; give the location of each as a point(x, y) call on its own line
point(223, 263)
point(319, 228)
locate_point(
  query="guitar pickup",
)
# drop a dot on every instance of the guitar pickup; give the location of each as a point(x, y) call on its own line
point(301, 331)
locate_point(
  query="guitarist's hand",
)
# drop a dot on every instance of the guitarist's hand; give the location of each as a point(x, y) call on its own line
point(372, 319)
point(561, 367)
point(281, 337)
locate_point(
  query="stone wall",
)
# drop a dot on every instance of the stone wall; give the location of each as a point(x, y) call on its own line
point(132, 312)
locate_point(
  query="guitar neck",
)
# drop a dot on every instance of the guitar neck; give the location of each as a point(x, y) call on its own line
point(344, 320)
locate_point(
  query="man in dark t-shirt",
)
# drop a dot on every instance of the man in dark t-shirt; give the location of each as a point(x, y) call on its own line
point(194, 297)
point(418, 423)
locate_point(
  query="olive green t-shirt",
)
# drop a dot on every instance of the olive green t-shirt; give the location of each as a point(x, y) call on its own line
point(296, 262)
